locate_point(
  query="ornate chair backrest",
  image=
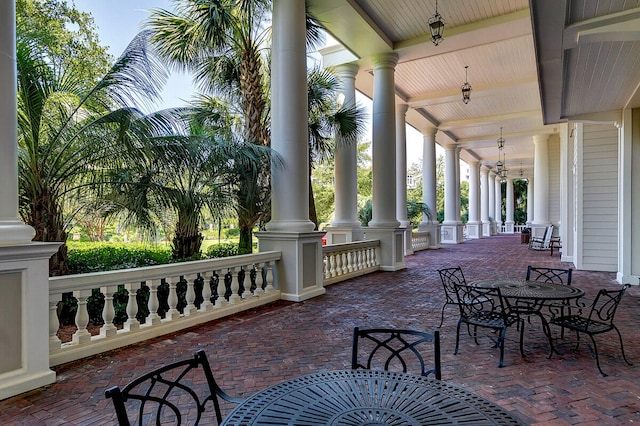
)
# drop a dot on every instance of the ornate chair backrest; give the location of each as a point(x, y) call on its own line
point(176, 394)
point(476, 302)
point(396, 350)
point(605, 305)
point(449, 277)
point(549, 275)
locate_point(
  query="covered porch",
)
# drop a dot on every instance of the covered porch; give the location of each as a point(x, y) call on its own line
point(258, 348)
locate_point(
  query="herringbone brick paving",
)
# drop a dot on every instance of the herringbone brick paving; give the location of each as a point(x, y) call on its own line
point(253, 350)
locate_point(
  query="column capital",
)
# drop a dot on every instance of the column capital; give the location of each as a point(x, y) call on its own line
point(402, 108)
point(384, 60)
point(429, 131)
point(540, 138)
point(348, 70)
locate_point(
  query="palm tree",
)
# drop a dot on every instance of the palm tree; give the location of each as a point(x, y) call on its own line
point(222, 43)
point(69, 137)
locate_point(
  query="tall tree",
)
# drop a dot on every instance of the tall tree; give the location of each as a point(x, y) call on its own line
point(222, 43)
point(69, 136)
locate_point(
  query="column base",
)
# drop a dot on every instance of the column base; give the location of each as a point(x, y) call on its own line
point(474, 230)
point(391, 247)
point(452, 233)
point(24, 304)
point(509, 227)
point(486, 229)
point(298, 274)
point(14, 231)
point(344, 234)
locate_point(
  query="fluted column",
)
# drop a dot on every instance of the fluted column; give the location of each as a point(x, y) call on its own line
point(474, 226)
point(429, 183)
point(383, 147)
point(289, 118)
point(401, 165)
point(484, 201)
point(509, 222)
point(346, 226)
point(12, 229)
point(491, 177)
point(384, 225)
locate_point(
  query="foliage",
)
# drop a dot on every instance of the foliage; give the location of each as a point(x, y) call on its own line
point(97, 257)
point(365, 213)
point(222, 250)
point(415, 211)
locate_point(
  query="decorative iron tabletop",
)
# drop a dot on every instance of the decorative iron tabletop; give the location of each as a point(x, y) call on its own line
point(535, 290)
point(367, 397)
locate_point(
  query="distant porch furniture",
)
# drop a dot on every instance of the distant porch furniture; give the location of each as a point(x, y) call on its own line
point(544, 243)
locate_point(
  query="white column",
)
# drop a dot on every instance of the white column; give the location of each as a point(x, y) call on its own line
point(383, 146)
point(474, 226)
point(498, 205)
point(299, 274)
point(384, 225)
point(450, 192)
point(289, 118)
point(401, 177)
point(457, 181)
point(484, 201)
point(509, 222)
point(492, 199)
point(429, 172)
point(529, 202)
point(346, 226)
point(429, 183)
point(12, 229)
point(541, 188)
point(401, 165)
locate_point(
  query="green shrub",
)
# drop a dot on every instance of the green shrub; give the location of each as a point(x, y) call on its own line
point(92, 257)
point(222, 250)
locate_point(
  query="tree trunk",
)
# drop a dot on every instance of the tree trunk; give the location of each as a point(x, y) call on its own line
point(185, 245)
point(245, 246)
point(313, 215)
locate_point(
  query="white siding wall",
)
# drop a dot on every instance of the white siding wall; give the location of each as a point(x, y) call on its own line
point(599, 228)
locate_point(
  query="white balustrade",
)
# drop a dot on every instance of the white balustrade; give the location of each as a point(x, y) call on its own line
point(166, 277)
point(348, 260)
point(419, 241)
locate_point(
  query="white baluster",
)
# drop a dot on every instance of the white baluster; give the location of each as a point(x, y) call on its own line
point(350, 259)
point(269, 288)
point(259, 280)
point(246, 282)
point(153, 304)
point(206, 292)
point(332, 263)
point(360, 264)
point(344, 263)
point(108, 312)
point(235, 286)
point(82, 335)
point(54, 322)
point(221, 289)
point(191, 295)
point(172, 300)
point(132, 322)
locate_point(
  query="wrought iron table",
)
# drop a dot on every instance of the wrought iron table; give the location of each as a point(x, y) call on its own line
point(529, 297)
point(367, 397)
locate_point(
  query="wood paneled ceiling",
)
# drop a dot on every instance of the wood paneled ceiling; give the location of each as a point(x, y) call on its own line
point(531, 66)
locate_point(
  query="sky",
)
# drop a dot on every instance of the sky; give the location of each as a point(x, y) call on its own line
point(118, 21)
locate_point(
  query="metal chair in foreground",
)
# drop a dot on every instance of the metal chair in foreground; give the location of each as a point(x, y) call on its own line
point(396, 350)
point(599, 320)
point(484, 307)
point(174, 394)
point(555, 276)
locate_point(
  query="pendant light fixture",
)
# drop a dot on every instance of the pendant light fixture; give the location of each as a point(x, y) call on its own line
point(436, 26)
point(466, 87)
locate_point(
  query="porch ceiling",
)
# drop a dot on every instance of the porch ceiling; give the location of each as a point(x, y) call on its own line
point(586, 64)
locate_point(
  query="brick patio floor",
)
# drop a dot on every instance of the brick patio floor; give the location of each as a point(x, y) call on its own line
point(253, 350)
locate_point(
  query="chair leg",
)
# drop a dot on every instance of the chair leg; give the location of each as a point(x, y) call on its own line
point(501, 342)
point(621, 346)
point(455, 352)
point(521, 338)
point(475, 334)
point(595, 350)
point(442, 315)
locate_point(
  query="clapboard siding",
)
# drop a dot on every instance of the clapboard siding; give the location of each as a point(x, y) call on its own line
point(600, 198)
